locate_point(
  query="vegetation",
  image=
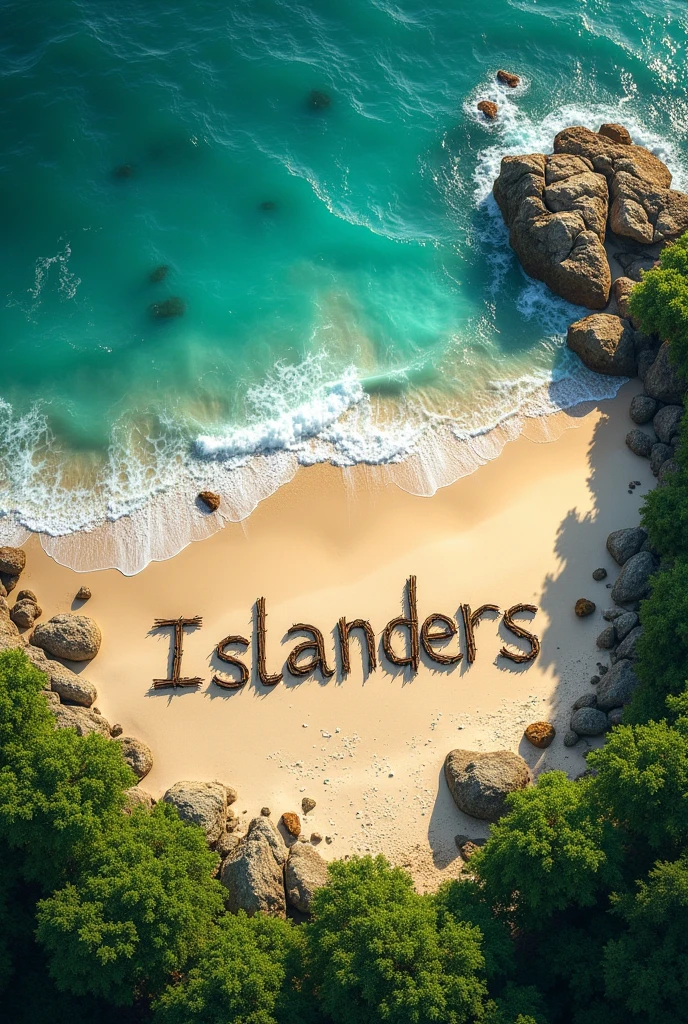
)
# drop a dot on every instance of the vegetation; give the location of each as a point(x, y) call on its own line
point(577, 910)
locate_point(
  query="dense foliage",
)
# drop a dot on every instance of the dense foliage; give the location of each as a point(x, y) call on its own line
point(576, 911)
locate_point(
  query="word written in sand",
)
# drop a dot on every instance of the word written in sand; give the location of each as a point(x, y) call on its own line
point(434, 636)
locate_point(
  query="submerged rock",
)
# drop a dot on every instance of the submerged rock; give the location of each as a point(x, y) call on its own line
point(319, 100)
point(167, 308)
point(210, 500)
point(159, 273)
point(480, 782)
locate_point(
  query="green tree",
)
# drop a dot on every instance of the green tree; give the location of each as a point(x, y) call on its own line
point(549, 851)
point(660, 302)
point(141, 909)
point(377, 951)
point(247, 973)
point(464, 900)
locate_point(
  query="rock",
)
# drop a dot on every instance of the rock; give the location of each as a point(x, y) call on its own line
point(633, 582)
point(267, 205)
point(669, 466)
point(12, 561)
point(4, 607)
point(604, 344)
point(168, 308)
point(599, 574)
point(508, 78)
point(72, 637)
point(460, 840)
point(158, 274)
point(617, 687)
point(305, 872)
point(594, 680)
point(658, 456)
point(83, 720)
point(643, 409)
point(227, 843)
point(316, 837)
point(623, 544)
point(201, 803)
point(292, 823)
point(607, 638)
point(83, 594)
point(666, 423)
point(138, 756)
point(627, 648)
point(210, 500)
point(615, 717)
point(584, 607)
point(589, 722)
point(27, 595)
point(116, 730)
point(662, 380)
point(571, 738)
point(480, 782)
point(639, 442)
point(71, 687)
point(468, 849)
point(24, 614)
point(123, 171)
point(307, 804)
point(253, 873)
point(617, 133)
point(8, 581)
point(586, 700)
point(136, 797)
point(3, 591)
point(621, 290)
point(612, 613)
point(540, 734)
point(556, 211)
point(318, 100)
point(645, 361)
point(488, 108)
point(624, 624)
point(265, 811)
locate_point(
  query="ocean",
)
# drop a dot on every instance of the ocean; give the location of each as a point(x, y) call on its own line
point(309, 186)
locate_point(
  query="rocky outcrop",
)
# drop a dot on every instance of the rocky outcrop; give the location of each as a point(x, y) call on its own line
point(662, 380)
point(138, 756)
point(480, 782)
point(633, 582)
point(604, 344)
point(72, 637)
point(617, 133)
point(305, 872)
point(253, 873)
point(556, 211)
point(201, 803)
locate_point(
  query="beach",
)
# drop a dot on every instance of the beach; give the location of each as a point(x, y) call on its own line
point(528, 527)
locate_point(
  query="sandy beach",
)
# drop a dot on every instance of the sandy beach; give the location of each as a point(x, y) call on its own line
point(528, 527)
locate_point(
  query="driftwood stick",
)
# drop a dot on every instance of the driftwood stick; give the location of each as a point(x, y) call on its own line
point(317, 645)
point(345, 629)
point(522, 633)
point(410, 623)
point(470, 621)
point(428, 636)
point(176, 677)
point(266, 678)
point(232, 684)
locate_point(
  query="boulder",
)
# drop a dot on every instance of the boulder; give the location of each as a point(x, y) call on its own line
point(158, 273)
point(292, 823)
point(540, 734)
point(604, 344)
point(253, 873)
point(508, 78)
point(643, 409)
point(136, 797)
point(488, 108)
point(570, 738)
point(556, 211)
point(633, 582)
point(227, 843)
point(617, 686)
point(583, 607)
point(668, 467)
point(622, 544)
point(83, 720)
point(624, 623)
point(72, 637)
point(589, 722)
point(586, 700)
point(67, 684)
point(659, 455)
point(27, 595)
point(12, 561)
point(480, 782)
point(640, 442)
point(24, 613)
point(615, 717)
point(138, 756)
point(627, 648)
point(167, 308)
point(305, 872)
point(210, 500)
point(645, 361)
point(201, 803)
point(8, 581)
point(617, 133)
point(662, 380)
point(607, 638)
point(667, 421)
point(621, 290)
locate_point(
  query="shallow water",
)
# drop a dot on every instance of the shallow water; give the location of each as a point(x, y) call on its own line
point(346, 278)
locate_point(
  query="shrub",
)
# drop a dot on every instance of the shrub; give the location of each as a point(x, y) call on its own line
point(660, 302)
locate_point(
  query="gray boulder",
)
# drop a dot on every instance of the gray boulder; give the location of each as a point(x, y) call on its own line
point(83, 720)
point(627, 648)
point(253, 872)
point(659, 455)
point(589, 722)
point(570, 738)
point(667, 421)
point(662, 380)
point(588, 700)
point(640, 442)
point(607, 638)
point(72, 637)
point(305, 872)
point(138, 756)
point(615, 717)
point(623, 544)
point(624, 624)
point(604, 343)
point(480, 782)
point(617, 686)
point(201, 803)
point(633, 582)
point(666, 469)
point(645, 361)
point(643, 409)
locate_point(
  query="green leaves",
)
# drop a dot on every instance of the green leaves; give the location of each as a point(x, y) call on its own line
point(660, 302)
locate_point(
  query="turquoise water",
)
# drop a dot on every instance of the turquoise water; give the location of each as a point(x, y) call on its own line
point(346, 281)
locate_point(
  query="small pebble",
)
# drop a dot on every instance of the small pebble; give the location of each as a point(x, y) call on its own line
point(265, 811)
point(391, 775)
point(116, 730)
point(316, 837)
point(305, 725)
point(83, 594)
point(599, 574)
point(328, 839)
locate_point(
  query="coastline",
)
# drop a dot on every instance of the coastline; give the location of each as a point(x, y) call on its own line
point(333, 542)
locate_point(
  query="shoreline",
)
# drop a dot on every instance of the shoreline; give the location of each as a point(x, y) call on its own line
point(333, 543)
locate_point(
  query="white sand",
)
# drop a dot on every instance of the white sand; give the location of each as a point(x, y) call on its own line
point(528, 527)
